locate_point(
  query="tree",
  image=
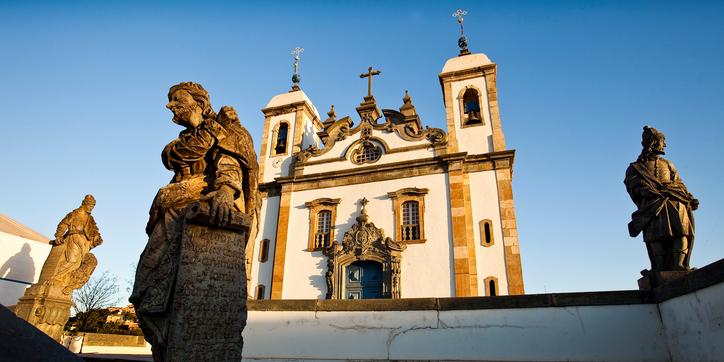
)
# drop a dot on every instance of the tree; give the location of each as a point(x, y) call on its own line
point(98, 293)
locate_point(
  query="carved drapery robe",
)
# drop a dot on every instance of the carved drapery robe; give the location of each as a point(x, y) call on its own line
point(664, 204)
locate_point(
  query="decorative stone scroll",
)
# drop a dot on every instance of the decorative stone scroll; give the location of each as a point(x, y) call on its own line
point(364, 242)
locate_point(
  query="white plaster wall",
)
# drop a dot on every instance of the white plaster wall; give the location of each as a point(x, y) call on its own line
point(261, 273)
point(694, 324)
point(426, 268)
point(270, 171)
point(586, 333)
point(490, 260)
point(19, 265)
point(476, 139)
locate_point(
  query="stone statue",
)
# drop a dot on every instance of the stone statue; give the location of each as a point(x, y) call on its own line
point(70, 264)
point(190, 289)
point(664, 206)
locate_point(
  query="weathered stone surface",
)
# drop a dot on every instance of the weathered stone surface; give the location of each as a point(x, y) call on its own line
point(665, 206)
point(70, 264)
point(190, 289)
point(19, 341)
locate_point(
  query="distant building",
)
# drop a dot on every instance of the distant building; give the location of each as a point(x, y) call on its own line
point(22, 254)
point(123, 316)
point(441, 201)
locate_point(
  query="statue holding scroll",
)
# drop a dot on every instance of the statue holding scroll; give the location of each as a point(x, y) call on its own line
point(190, 288)
point(46, 304)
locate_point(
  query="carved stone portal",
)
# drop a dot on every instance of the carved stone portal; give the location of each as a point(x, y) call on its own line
point(364, 242)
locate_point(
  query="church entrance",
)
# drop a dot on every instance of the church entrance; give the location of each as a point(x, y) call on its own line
point(364, 280)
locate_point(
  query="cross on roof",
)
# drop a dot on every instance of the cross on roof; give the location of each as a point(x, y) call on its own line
point(369, 75)
point(460, 13)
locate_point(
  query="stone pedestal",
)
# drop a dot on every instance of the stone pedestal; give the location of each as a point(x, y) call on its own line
point(651, 279)
point(46, 307)
point(208, 307)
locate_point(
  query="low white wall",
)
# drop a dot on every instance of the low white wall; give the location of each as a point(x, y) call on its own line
point(20, 263)
point(580, 333)
point(695, 320)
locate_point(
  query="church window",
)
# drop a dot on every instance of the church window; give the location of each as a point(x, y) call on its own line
point(491, 287)
point(486, 232)
point(409, 206)
point(259, 293)
point(280, 138)
point(470, 107)
point(264, 251)
point(410, 228)
point(324, 228)
point(366, 153)
point(322, 213)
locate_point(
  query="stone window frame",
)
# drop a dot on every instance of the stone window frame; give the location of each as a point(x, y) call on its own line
point(275, 134)
point(483, 240)
point(315, 207)
point(259, 292)
point(496, 291)
point(264, 250)
point(360, 149)
point(402, 196)
point(461, 107)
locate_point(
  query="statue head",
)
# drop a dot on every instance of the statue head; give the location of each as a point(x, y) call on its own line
point(653, 142)
point(89, 202)
point(227, 115)
point(190, 104)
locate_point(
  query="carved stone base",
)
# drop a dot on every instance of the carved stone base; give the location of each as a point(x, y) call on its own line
point(45, 307)
point(208, 307)
point(651, 280)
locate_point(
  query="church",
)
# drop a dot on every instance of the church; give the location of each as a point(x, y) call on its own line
point(378, 205)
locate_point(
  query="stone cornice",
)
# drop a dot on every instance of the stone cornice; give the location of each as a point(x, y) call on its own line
point(396, 170)
point(467, 73)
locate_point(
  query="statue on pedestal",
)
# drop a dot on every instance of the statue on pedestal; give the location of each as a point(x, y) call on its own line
point(190, 288)
point(70, 264)
point(664, 205)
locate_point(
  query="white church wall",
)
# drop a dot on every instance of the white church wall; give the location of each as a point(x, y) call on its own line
point(474, 139)
point(426, 268)
point(694, 324)
point(578, 333)
point(490, 260)
point(261, 273)
point(21, 261)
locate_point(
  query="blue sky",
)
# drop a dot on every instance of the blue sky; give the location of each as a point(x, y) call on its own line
point(84, 85)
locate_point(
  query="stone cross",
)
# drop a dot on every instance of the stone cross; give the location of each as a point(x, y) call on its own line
point(369, 75)
point(459, 13)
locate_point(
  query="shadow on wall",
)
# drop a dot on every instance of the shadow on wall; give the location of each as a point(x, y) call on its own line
point(20, 267)
point(16, 274)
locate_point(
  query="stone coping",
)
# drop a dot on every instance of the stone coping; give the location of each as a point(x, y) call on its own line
point(458, 303)
point(697, 279)
point(691, 282)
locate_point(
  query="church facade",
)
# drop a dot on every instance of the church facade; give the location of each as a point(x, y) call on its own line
point(380, 206)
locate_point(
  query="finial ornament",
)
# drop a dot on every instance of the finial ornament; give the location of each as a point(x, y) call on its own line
point(296, 78)
point(463, 40)
point(369, 74)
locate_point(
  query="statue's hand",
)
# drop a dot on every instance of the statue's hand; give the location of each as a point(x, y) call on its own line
point(694, 204)
point(58, 240)
point(222, 203)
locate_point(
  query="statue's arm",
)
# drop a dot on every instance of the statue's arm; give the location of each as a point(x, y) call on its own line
point(228, 173)
point(189, 147)
point(638, 187)
point(62, 228)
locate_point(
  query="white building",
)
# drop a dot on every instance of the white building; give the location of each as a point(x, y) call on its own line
point(22, 254)
point(437, 218)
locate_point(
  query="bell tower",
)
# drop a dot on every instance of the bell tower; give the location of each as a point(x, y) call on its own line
point(291, 123)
